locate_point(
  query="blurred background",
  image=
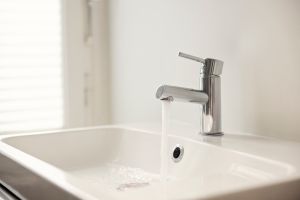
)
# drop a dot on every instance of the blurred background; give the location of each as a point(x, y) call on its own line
point(53, 64)
point(75, 63)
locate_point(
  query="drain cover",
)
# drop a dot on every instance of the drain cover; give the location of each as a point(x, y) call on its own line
point(125, 186)
point(177, 153)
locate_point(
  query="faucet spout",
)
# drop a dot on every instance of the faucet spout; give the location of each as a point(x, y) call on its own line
point(173, 93)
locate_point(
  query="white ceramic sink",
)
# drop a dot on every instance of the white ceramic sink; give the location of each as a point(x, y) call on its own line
point(116, 162)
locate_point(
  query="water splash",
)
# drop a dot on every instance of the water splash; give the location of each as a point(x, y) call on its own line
point(117, 177)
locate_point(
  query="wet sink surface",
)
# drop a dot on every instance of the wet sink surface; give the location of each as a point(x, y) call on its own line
point(123, 163)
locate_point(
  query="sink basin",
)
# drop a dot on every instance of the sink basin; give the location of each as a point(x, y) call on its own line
point(118, 162)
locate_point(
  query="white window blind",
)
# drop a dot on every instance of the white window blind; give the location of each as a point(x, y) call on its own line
point(31, 78)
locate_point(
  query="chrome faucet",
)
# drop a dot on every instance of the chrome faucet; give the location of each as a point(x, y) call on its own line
point(209, 94)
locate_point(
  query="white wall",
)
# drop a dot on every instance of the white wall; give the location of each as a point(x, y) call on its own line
point(76, 56)
point(259, 41)
point(87, 66)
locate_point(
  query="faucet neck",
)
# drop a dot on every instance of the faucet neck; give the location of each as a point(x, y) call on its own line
point(210, 122)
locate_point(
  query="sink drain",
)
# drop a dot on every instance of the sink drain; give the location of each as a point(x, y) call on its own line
point(126, 186)
point(177, 153)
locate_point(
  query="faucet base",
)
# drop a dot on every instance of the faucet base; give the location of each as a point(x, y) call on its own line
point(212, 134)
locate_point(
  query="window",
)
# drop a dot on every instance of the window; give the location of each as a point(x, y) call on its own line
point(31, 65)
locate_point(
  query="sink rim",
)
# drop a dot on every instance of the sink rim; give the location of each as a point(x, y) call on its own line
point(291, 168)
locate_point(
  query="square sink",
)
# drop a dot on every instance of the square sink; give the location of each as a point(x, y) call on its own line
point(116, 162)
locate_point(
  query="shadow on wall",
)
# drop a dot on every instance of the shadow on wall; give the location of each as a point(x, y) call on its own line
point(270, 51)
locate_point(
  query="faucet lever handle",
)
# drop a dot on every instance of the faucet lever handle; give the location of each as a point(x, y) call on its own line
point(195, 58)
point(210, 66)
